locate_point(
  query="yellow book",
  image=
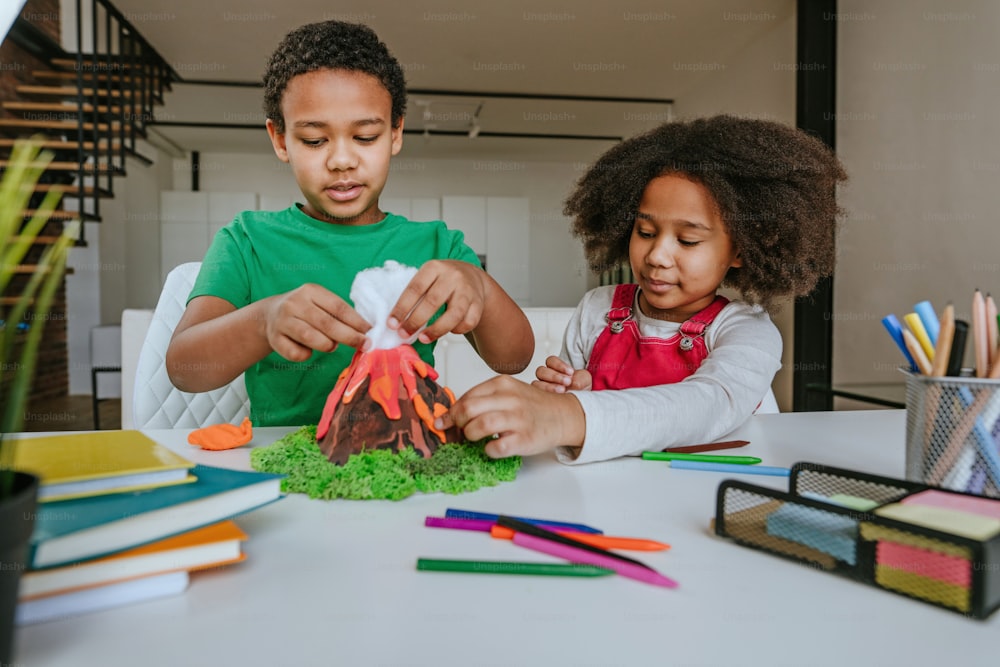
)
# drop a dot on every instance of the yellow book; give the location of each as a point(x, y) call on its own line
point(78, 465)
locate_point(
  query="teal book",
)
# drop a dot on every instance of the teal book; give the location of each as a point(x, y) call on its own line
point(83, 528)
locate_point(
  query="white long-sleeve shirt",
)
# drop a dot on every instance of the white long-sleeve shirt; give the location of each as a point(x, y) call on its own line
point(744, 353)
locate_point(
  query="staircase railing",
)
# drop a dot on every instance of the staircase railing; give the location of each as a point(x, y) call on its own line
point(119, 77)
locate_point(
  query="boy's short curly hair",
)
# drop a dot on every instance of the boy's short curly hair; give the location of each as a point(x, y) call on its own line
point(775, 187)
point(331, 45)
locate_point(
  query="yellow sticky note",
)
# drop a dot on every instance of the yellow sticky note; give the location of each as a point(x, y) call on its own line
point(963, 524)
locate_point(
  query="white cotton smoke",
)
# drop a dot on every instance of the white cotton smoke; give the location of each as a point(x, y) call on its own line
point(374, 292)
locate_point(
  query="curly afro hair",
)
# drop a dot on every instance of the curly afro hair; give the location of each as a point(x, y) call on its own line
point(331, 45)
point(775, 188)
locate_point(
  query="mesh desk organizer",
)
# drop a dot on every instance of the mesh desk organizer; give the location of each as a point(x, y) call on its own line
point(902, 536)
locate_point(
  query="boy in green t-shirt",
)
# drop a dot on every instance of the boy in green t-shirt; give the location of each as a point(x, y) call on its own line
point(271, 297)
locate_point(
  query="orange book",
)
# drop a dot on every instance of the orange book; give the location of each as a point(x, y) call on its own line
point(210, 546)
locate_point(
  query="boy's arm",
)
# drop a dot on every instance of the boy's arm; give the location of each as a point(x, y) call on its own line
point(503, 337)
point(214, 341)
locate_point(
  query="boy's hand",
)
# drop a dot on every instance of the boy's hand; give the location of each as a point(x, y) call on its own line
point(459, 285)
point(310, 318)
point(558, 377)
point(524, 419)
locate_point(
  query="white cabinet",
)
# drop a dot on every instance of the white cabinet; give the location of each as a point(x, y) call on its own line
point(499, 228)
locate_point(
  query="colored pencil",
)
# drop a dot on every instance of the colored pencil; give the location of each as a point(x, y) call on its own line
point(602, 541)
point(946, 334)
point(708, 447)
point(729, 467)
point(957, 354)
point(639, 572)
point(469, 514)
point(917, 352)
point(708, 458)
point(512, 567)
point(991, 331)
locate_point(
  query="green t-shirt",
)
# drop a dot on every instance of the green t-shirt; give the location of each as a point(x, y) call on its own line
point(264, 253)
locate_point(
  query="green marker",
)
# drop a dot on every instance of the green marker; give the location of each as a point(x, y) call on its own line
point(512, 567)
point(704, 458)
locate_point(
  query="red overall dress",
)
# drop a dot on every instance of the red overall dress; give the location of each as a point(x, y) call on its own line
point(622, 359)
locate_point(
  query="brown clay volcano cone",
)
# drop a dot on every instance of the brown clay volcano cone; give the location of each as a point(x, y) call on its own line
point(386, 399)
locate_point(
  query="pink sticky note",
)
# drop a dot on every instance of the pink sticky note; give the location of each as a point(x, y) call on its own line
point(956, 502)
point(930, 564)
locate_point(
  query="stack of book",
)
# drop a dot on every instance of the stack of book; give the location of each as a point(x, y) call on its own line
point(123, 519)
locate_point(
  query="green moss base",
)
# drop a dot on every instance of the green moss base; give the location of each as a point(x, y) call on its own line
point(380, 474)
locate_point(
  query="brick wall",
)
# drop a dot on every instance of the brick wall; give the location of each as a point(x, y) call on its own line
point(17, 68)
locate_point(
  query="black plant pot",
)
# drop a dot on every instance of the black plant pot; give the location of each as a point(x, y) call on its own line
point(17, 520)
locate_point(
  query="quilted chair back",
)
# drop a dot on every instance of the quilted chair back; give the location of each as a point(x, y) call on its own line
point(156, 402)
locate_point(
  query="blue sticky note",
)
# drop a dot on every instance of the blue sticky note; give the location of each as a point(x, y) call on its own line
point(830, 533)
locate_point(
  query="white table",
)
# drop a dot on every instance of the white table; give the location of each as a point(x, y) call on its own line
point(334, 583)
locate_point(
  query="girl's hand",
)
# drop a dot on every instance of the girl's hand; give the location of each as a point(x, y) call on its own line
point(524, 420)
point(310, 318)
point(441, 282)
point(557, 376)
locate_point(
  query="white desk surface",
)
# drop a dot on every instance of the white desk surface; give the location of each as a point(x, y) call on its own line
point(334, 582)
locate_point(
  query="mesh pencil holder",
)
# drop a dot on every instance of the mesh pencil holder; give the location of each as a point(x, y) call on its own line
point(953, 433)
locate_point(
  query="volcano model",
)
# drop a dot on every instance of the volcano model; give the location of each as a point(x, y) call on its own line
point(386, 399)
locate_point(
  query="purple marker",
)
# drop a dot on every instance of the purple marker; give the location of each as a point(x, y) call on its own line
point(549, 524)
point(480, 525)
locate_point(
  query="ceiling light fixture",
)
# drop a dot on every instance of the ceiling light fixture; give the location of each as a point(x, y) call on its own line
point(474, 127)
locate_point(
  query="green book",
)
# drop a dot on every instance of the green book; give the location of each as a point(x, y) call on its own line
point(73, 530)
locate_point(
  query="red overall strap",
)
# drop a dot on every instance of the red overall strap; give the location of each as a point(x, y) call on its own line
point(696, 325)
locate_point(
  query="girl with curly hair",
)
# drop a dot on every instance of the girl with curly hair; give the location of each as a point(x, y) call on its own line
point(692, 206)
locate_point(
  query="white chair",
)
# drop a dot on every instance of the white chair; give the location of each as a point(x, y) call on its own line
point(156, 403)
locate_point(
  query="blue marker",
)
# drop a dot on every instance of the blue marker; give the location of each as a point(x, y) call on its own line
point(925, 311)
point(468, 514)
point(895, 329)
point(730, 467)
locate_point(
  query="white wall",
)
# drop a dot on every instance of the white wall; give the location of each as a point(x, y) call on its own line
point(118, 268)
point(918, 129)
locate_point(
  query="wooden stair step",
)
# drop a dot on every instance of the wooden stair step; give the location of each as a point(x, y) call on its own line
point(59, 107)
point(69, 91)
point(70, 189)
point(21, 123)
point(57, 214)
point(103, 67)
point(38, 240)
point(56, 145)
point(70, 166)
point(13, 301)
point(48, 75)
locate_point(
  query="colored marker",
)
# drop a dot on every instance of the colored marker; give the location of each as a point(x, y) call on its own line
point(639, 572)
point(602, 541)
point(925, 311)
point(708, 447)
point(480, 525)
point(920, 333)
point(729, 467)
point(512, 567)
point(468, 514)
point(895, 329)
point(535, 531)
point(707, 458)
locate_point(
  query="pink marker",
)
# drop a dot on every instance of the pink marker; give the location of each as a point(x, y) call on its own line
point(574, 555)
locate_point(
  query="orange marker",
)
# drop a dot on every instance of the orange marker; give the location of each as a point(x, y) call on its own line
point(603, 541)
